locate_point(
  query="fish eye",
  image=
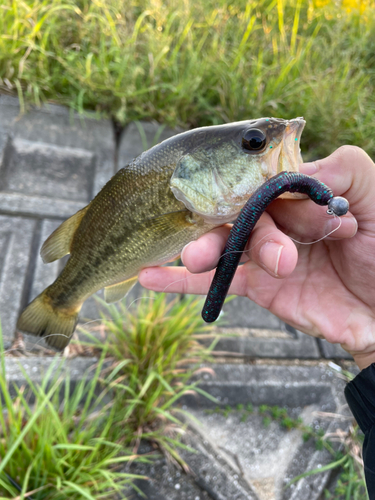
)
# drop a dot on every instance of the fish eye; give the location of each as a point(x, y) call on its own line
point(254, 140)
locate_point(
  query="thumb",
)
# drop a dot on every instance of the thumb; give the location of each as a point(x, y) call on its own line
point(349, 172)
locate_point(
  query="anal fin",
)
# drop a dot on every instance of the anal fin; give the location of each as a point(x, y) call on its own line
point(116, 292)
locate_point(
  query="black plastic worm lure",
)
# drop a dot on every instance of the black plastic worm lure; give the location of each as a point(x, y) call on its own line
point(249, 216)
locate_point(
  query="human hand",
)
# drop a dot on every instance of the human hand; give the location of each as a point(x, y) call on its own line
point(325, 289)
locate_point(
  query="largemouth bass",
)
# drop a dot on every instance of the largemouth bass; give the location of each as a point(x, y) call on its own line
point(165, 198)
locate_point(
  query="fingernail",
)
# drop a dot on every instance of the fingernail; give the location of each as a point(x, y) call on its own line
point(335, 223)
point(355, 226)
point(183, 250)
point(270, 254)
point(308, 168)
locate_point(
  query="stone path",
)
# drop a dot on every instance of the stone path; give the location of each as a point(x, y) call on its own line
point(52, 163)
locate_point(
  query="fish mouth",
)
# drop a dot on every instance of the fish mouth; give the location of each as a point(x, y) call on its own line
point(290, 153)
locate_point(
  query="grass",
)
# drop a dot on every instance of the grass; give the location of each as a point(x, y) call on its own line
point(155, 352)
point(199, 63)
point(59, 441)
point(54, 449)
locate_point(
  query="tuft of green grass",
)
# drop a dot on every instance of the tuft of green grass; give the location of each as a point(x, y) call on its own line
point(244, 410)
point(59, 442)
point(54, 439)
point(155, 353)
point(199, 63)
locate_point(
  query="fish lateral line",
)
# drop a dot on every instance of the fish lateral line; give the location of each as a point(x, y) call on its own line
point(250, 214)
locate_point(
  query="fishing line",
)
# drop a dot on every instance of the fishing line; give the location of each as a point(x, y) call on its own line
point(296, 241)
point(38, 342)
point(198, 275)
point(139, 298)
point(316, 241)
point(33, 344)
point(122, 316)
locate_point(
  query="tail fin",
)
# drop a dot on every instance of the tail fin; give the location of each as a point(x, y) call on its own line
point(40, 318)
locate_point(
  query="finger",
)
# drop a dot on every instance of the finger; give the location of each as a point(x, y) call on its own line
point(175, 280)
point(179, 280)
point(204, 254)
point(349, 172)
point(271, 249)
point(307, 221)
point(268, 247)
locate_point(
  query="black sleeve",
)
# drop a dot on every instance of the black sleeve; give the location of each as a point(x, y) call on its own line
point(360, 395)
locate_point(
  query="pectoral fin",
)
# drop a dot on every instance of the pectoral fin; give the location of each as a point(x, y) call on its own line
point(116, 292)
point(57, 245)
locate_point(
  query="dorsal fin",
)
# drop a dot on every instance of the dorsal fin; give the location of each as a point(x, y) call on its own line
point(57, 245)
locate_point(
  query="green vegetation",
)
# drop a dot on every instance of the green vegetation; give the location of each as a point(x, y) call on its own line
point(155, 353)
point(244, 410)
point(199, 63)
point(55, 450)
point(60, 442)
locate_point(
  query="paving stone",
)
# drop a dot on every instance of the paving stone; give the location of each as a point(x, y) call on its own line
point(252, 331)
point(44, 274)
point(9, 111)
point(261, 454)
point(242, 312)
point(36, 367)
point(293, 386)
point(333, 351)
point(211, 476)
point(270, 457)
point(53, 162)
point(267, 343)
point(16, 240)
point(47, 170)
